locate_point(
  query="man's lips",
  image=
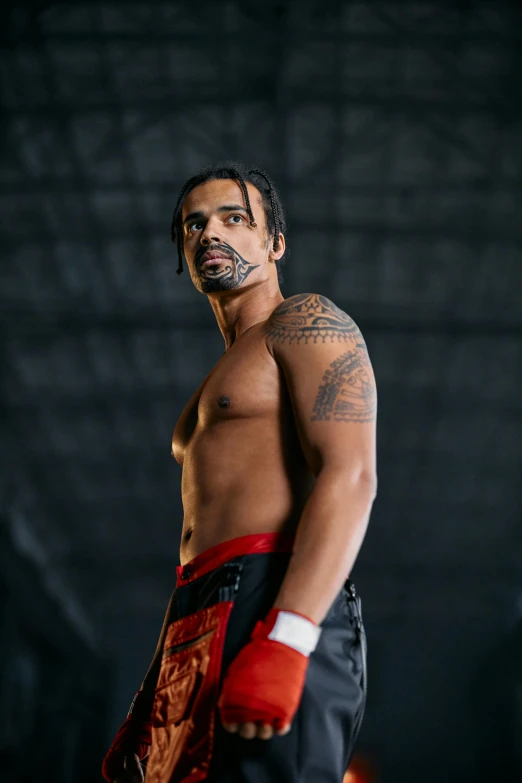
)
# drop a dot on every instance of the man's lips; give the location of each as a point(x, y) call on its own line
point(212, 257)
point(214, 260)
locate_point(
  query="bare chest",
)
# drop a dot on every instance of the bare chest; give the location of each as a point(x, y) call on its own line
point(244, 385)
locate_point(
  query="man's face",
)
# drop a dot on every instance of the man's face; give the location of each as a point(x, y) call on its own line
point(222, 249)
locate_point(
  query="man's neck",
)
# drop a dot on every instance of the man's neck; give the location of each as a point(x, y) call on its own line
point(237, 311)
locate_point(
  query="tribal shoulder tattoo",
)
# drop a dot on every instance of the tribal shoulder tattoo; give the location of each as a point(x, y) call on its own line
point(347, 389)
point(310, 317)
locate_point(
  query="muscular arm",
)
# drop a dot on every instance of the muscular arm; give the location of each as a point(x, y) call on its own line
point(332, 388)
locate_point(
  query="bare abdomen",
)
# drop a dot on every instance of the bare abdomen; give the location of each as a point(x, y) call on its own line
point(241, 477)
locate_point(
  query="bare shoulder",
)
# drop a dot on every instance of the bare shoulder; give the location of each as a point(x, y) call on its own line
point(324, 360)
point(310, 318)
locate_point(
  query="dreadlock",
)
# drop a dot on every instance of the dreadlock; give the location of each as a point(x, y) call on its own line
point(273, 208)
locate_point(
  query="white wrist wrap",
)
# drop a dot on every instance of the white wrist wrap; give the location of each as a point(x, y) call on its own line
point(295, 631)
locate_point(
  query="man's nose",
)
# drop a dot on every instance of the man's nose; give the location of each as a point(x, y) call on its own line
point(210, 234)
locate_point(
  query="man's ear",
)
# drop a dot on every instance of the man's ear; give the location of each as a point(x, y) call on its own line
point(275, 255)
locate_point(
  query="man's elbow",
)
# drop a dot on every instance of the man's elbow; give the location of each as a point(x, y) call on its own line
point(360, 480)
point(366, 480)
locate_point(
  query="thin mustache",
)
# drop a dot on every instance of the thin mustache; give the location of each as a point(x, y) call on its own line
point(218, 248)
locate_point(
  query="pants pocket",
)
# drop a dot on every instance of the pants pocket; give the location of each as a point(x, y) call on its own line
point(184, 708)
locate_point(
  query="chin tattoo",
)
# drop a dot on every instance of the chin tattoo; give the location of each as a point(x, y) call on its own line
point(228, 276)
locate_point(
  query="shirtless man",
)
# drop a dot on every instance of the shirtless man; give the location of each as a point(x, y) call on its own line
point(259, 671)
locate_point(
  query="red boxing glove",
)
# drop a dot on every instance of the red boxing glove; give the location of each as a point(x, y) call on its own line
point(133, 736)
point(265, 681)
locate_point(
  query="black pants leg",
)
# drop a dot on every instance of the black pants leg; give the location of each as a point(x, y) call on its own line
point(320, 743)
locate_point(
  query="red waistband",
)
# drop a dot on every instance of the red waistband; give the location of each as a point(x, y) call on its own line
point(216, 556)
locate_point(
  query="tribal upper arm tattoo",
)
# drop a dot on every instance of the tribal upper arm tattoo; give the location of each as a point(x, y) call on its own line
point(347, 390)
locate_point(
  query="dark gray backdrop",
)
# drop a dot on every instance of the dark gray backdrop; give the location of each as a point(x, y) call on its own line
point(394, 133)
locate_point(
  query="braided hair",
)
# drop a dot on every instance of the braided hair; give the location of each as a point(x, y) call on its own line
point(275, 218)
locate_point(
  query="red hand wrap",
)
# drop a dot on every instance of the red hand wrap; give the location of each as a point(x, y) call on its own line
point(265, 681)
point(133, 736)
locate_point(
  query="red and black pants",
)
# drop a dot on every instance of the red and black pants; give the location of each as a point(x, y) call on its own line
point(220, 597)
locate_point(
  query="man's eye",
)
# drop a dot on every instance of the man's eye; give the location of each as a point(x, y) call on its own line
point(195, 226)
point(239, 218)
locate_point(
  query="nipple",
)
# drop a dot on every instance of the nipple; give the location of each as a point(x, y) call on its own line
point(224, 402)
